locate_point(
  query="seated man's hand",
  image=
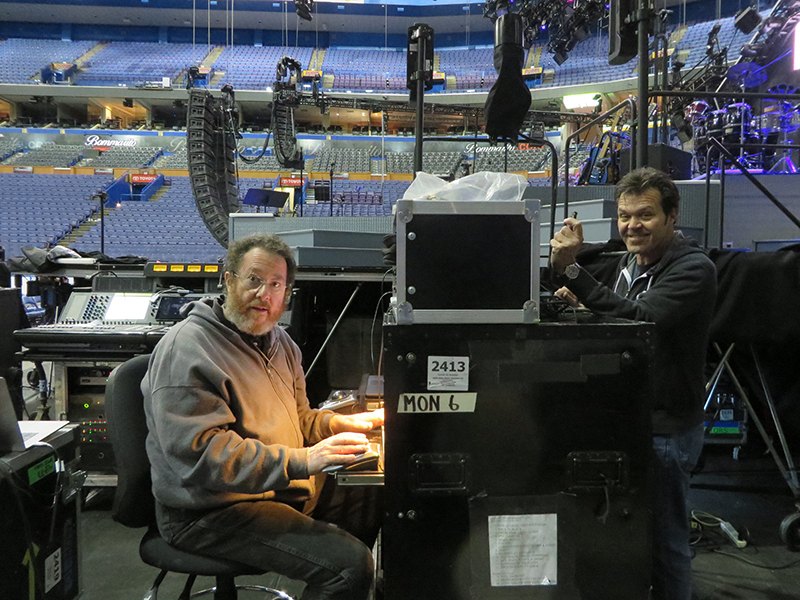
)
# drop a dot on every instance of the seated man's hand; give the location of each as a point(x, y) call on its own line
point(361, 422)
point(567, 295)
point(565, 244)
point(340, 449)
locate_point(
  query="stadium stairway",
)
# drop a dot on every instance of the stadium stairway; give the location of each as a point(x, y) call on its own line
point(83, 228)
point(87, 56)
point(317, 58)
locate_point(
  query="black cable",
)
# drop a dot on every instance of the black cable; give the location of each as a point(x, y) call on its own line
point(755, 564)
point(233, 129)
point(263, 150)
point(705, 520)
point(372, 328)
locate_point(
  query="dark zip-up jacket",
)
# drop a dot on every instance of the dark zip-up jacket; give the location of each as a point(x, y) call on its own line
point(677, 294)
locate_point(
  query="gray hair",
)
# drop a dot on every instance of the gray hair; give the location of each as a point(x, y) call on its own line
point(268, 242)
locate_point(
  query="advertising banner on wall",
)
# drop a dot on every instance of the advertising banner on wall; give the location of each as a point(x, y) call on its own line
point(175, 141)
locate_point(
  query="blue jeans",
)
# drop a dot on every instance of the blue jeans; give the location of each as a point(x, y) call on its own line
point(279, 538)
point(675, 457)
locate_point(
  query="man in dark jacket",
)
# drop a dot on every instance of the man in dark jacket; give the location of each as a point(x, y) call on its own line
point(668, 280)
point(236, 451)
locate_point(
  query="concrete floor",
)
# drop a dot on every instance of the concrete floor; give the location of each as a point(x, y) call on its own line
point(749, 493)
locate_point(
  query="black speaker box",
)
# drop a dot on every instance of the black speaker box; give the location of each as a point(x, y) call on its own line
point(622, 39)
point(674, 162)
point(747, 20)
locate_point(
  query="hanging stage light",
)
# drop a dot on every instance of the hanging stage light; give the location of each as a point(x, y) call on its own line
point(303, 8)
point(509, 99)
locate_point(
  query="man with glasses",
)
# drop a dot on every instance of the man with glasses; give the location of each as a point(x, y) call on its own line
point(668, 280)
point(235, 447)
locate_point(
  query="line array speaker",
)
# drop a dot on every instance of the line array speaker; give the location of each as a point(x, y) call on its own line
point(211, 151)
point(287, 152)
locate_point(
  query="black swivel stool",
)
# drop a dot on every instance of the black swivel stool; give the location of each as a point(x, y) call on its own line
point(134, 504)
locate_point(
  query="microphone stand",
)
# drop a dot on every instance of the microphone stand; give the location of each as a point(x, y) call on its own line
point(330, 186)
point(103, 197)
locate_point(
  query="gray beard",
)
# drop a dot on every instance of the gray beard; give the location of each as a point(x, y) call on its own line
point(243, 323)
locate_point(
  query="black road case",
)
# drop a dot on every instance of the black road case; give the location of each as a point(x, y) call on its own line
point(467, 261)
point(518, 461)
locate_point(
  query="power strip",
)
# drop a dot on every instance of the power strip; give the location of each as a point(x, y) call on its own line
point(731, 532)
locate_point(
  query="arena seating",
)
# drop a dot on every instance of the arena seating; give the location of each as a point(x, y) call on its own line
point(42, 209)
point(353, 191)
point(362, 69)
point(168, 229)
point(22, 59)
point(534, 159)
point(8, 148)
point(137, 63)
point(695, 39)
point(254, 67)
point(38, 210)
point(588, 63)
point(268, 162)
point(345, 160)
point(172, 160)
point(432, 162)
point(48, 156)
point(357, 69)
point(117, 157)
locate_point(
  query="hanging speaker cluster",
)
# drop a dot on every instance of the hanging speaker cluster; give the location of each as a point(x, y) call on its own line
point(287, 152)
point(211, 150)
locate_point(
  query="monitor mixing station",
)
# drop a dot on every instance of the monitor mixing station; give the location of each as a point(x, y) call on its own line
point(109, 322)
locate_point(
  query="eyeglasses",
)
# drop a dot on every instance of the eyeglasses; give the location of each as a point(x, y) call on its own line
point(254, 284)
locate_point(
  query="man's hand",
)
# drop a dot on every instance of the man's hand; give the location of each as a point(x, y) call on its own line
point(361, 422)
point(340, 449)
point(566, 294)
point(565, 245)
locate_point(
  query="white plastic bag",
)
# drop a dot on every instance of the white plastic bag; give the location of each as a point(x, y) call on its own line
point(484, 185)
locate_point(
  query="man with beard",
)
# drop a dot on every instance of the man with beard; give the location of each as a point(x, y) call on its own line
point(668, 280)
point(235, 447)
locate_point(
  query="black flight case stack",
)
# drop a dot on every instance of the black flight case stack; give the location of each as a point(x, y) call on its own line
point(517, 453)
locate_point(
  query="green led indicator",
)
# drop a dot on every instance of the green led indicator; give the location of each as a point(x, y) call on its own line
point(86, 405)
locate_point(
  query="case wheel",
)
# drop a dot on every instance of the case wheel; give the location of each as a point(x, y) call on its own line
point(790, 531)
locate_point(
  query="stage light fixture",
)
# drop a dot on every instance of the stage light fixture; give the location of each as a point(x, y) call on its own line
point(303, 9)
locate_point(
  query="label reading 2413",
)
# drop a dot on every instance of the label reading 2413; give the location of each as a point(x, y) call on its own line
point(448, 373)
